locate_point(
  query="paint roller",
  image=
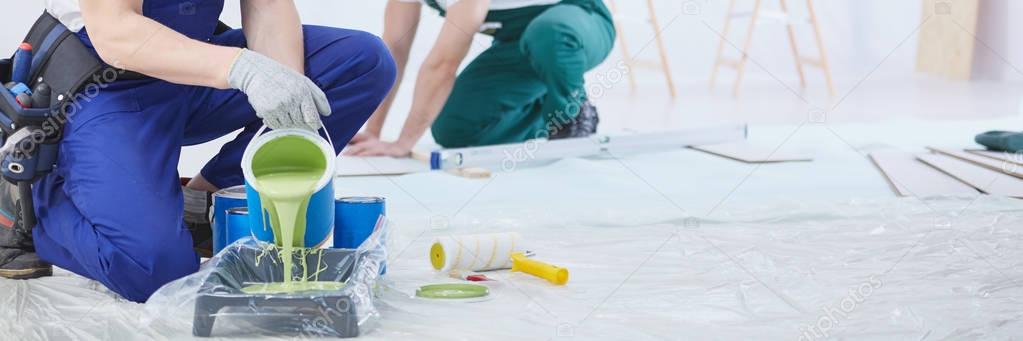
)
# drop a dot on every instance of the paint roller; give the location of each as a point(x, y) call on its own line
point(496, 251)
point(554, 274)
point(475, 252)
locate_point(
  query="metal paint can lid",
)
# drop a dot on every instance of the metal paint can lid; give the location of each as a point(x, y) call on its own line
point(452, 291)
point(236, 192)
point(361, 200)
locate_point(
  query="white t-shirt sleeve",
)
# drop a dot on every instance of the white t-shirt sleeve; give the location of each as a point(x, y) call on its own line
point(67, 12)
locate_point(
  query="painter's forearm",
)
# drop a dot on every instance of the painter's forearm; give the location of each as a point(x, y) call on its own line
point(274, 29)
point(433, 87)
point(376, 122)
point(148, 47)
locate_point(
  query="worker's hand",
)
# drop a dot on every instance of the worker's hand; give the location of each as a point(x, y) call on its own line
point(374, 147)
point(362, 137)
point(282, 97)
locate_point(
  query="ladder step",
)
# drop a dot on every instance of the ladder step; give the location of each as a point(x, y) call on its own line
point(810, 62)
point(630, 19)
point(771, 16)
point(729, 63)
point(647, 64)
point(764, 14)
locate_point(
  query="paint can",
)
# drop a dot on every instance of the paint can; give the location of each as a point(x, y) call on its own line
point(355, 220)
point(239, 226)
point(288, 148)
point(224, 200)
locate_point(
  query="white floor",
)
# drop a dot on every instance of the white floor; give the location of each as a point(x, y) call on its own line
point(681, 244)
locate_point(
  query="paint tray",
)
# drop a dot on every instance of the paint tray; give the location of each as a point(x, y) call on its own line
point(335, 313)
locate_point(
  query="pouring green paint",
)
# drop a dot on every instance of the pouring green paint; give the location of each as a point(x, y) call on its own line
point(286, 172)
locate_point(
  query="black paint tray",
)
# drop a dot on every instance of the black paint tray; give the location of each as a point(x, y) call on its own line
point(327, 313)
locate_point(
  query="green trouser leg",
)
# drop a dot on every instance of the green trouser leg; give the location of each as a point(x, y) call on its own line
point(515, 90)
point(562, 44)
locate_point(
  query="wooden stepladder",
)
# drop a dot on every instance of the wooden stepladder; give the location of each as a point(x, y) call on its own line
point(631, 60)
point(782, 15)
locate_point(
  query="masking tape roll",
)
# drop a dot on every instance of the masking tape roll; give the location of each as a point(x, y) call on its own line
point(475, 252)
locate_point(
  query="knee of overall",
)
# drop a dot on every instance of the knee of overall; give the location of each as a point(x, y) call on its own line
point(154, 261)
point(547, 39)
point(444, 135)
point(373, 62)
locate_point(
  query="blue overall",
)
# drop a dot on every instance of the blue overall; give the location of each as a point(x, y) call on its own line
point(112, 209)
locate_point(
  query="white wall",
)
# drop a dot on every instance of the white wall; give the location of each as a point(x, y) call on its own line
point(999, 54)
point(858, 33)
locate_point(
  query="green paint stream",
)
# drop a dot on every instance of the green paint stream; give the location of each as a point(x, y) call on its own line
point(286, 171)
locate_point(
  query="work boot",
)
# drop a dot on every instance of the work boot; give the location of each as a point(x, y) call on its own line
point(584, 124)
point(202, 238)
point(18, 259)
point(197, 219)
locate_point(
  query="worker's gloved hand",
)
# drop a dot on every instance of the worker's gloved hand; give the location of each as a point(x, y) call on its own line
point(282, 97)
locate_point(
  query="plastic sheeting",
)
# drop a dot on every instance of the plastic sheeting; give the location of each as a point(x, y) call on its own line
point(947, 268)
point(674, 245)
point(888, 269)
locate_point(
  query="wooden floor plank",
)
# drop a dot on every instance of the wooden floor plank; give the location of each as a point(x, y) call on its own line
point(986, 180)
point(986, 162)
point(1016, 158)
point(910, 177)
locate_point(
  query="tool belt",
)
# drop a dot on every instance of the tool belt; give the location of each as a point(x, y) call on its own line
point(30, 136)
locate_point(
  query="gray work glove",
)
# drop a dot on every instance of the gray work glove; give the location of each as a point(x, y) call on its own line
point(282, 97)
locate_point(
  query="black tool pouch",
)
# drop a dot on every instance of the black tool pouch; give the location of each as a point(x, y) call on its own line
point(31, 136)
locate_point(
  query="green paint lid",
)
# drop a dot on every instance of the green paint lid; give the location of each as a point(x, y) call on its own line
point(452, 291)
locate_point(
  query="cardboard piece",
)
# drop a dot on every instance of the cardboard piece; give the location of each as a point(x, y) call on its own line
point(989, 163)
point(945, 43)
point(983, 179)
point(379, 166)
point(910, 177)
point(749, 153)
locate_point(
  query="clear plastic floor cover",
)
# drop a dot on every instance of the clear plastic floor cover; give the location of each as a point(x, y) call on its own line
point(674, 245)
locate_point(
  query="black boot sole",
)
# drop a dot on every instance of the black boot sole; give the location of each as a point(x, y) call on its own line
point(26, 273)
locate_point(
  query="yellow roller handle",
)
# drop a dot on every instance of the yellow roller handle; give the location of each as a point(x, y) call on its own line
point(553, 274)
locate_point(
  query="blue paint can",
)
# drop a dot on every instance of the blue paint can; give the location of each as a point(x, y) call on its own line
point(224, 200)
point(355, 220)
point(264, 150)
point(240, 226)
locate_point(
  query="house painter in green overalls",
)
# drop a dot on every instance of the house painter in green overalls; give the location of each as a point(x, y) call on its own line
point(528, 84)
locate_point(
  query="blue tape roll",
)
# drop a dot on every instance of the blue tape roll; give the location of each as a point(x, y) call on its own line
point(22, 64)
point(21, 88)
point(435, 160)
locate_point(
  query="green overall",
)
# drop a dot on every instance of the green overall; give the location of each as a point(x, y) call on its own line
point(531, 77)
